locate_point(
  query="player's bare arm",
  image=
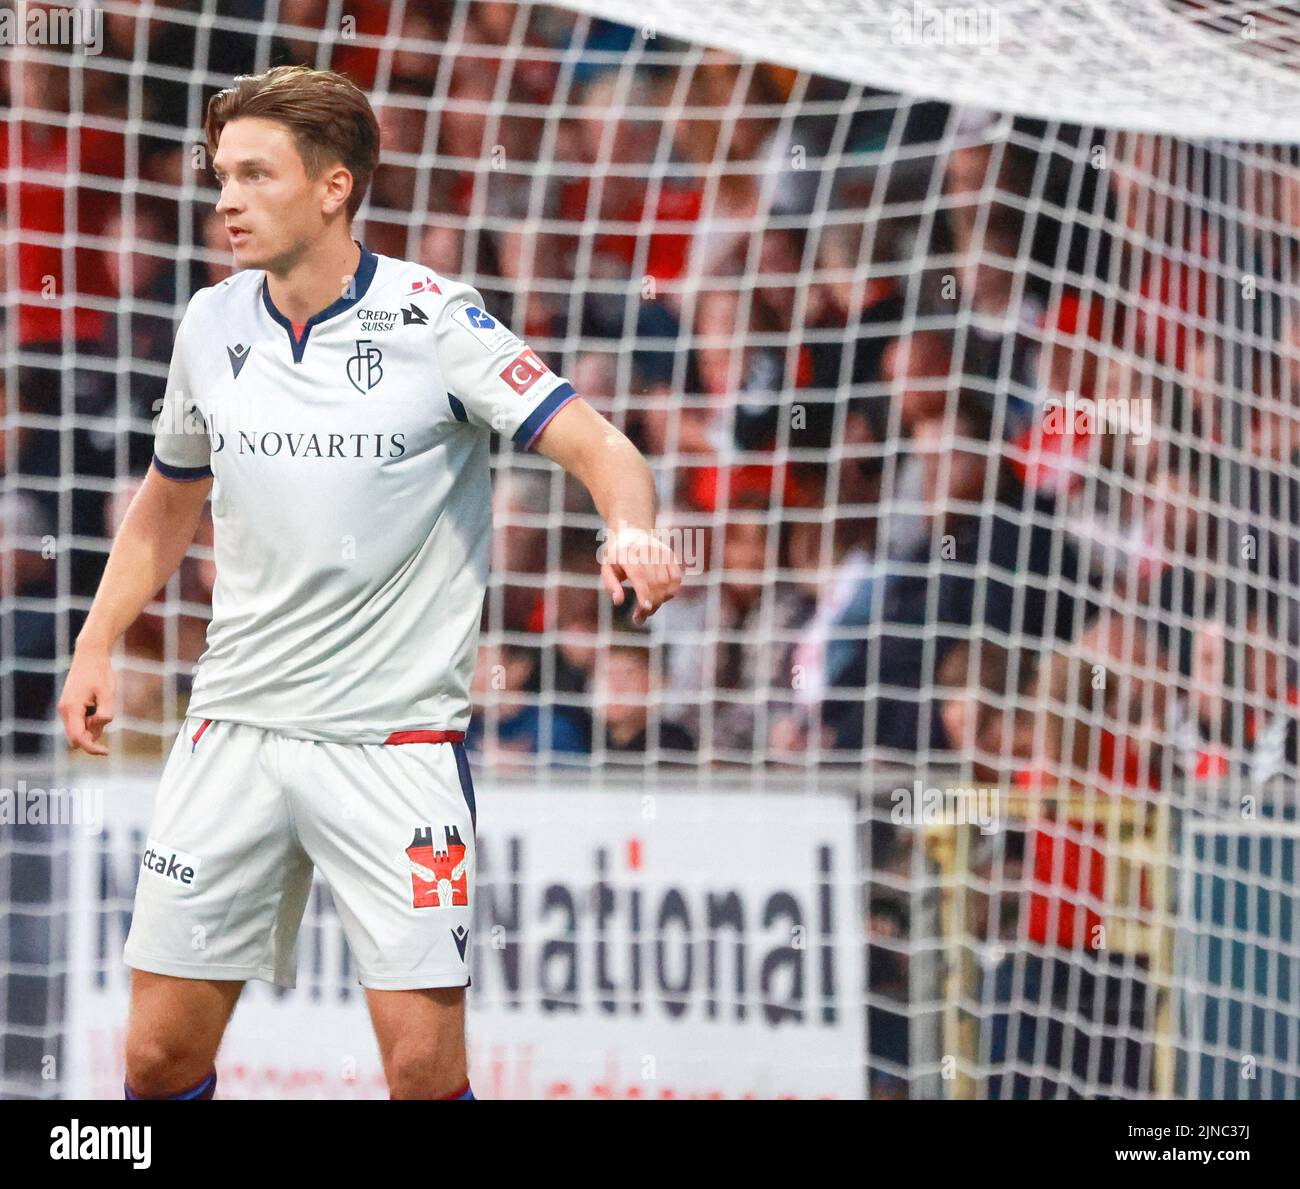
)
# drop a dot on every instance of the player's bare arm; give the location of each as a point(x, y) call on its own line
point(613, 470)
point(158, 529)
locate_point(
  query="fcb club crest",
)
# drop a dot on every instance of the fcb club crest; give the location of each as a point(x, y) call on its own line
point(439, 869)
point(365, 368)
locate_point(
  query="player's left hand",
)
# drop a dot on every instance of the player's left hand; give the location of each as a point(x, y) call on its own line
point(647, 564)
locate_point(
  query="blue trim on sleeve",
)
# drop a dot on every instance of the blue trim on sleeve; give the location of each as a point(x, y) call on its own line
point(181, 474)
point(536, 421)
point(457, 408)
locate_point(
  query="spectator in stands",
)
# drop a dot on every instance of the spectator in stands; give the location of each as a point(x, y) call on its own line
point(1056, 425)
point(143, 276)
point(415, 61)
point(984, 691)
point(142, 685)
point(1182, 512)
point(719, 362)
point(520, 501)
point(27, 571)
point(576, 642)
point(1239, 717)
point(918, 368)
point(394, 188)
point(534, 270)
point(509, 720)
point(741, 196)
point(1169, 259)
point(822, 564)
point(726, 676)
point(711, 675)
point(95, 163)
point(625, 691)
point(768, 414)
point(1102, 702)
point(1272, 438)
point(859, 321)
point(633, 229)
point(596, 375)
point(677, 429)
point(977, 538)
point(442, 248)
point(684, 428)
point(987, 183)
point(462, 145)
point(298, 39)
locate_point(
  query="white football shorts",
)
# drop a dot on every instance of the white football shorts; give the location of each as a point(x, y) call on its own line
point(242, 815)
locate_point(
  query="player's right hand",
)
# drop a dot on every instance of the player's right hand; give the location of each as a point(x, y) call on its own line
point(86, 704)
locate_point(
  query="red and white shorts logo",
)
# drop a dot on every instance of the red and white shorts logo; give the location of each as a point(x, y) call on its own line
point(522, 372)
point(439, 874)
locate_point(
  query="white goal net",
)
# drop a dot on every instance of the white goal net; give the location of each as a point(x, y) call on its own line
point(964, 343)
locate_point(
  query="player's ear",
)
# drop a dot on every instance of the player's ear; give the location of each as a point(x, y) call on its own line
point(338, 188)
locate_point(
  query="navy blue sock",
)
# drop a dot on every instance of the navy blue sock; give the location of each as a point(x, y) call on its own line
point(205, 1089)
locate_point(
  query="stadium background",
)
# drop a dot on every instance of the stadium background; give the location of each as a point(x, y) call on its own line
point(854, 320)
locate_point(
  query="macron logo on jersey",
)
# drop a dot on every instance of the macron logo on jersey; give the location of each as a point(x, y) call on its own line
point(523, 371)
point(238, 357)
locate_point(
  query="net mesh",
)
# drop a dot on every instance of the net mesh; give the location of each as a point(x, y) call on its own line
point(965, 346)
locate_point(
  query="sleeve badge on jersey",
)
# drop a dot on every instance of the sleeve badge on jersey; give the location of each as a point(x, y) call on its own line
point(523, 371)
point(438, 873)
point(487, 331)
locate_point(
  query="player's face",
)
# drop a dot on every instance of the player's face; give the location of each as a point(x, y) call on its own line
point(271, 209)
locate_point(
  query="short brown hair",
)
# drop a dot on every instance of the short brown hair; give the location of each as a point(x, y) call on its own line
point(328, 115)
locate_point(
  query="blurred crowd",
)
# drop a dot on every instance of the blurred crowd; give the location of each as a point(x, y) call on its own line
point(857, 336)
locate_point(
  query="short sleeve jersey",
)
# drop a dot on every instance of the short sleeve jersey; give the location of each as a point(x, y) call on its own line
point(351, 495)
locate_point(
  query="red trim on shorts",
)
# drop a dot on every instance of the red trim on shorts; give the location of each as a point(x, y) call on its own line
point(441, 1097)
point(207, 722)
point(426, 737)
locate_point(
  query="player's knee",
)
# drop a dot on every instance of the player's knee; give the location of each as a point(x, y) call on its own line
point(158, 1068)
point(425, 1071)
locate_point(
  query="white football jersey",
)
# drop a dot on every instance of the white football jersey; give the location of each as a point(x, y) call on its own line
point(351, 495)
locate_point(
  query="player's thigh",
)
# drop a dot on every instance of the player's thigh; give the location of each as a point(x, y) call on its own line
point(223, 880)
point(421, 1037)
point(179, 1015)
point(391, 829)
point(174, 1029)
